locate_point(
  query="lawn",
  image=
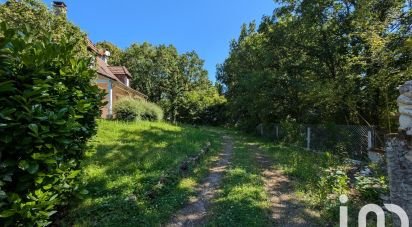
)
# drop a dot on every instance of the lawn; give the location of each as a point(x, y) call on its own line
point(123, 173)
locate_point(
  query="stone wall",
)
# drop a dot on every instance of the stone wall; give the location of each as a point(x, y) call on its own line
point(399, 160)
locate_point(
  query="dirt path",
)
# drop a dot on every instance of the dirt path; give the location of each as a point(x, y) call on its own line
point(286, 208)
point(194, 213)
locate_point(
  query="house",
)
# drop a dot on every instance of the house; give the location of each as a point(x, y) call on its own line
point(114, 80)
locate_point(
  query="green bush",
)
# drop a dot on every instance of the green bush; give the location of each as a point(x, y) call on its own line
point(126, 110)
point(292, 131)
point(48, 108)
point(129, 109)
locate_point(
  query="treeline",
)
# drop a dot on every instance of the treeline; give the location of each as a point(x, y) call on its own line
point(177, 82)
point(320, 61)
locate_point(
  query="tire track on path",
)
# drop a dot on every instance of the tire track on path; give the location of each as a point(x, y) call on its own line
point(286, 209)
point(194, 213)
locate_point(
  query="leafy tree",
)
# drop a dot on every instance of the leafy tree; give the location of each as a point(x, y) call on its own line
point(320, 61)
point(115, 52)
point(168, 78)
point(42, 22)
point(140, 60)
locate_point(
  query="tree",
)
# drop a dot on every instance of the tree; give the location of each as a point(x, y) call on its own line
point(167, 77)
point(42, 22)
point(115, 52)
point(320, 61)
point(142, 63)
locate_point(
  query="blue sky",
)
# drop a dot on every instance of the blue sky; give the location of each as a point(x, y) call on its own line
point(205, 26)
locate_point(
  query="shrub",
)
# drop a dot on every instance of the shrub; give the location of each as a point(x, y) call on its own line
point(129, 109)
point(126, 110)
point(48, 107)
point(151, 111)
point(292, 131)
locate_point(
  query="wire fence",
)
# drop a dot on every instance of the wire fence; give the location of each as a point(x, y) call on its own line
point(353, 141)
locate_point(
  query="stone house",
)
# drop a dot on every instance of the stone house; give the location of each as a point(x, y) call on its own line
point(114, 80)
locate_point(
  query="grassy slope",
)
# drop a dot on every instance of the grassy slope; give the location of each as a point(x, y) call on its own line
point(130, 158)
point(127, 164)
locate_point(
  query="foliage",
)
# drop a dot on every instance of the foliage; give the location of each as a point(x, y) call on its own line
point(48, 108)
point(292, 131)
point(320, 61)
point(371, 187)
point(374, 185)
point(333, 181)
point(115, 52)
point(129, 109)
point(177, 82)
point(204, 106)
point(127, 165)
point(43, 23)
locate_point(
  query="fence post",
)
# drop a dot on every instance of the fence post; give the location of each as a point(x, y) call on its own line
point(369, 140)
point(308, 139)
point(261, 129)
point(277, 132)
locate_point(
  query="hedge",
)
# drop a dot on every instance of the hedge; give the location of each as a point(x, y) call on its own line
point(48, 108)
point(129, 109)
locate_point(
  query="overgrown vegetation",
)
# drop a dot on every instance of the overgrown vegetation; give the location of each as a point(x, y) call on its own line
point(47, 114)
point(320, 61)
point(177, 82)
point(124, 173)
point(320, 178)
point(129, 109)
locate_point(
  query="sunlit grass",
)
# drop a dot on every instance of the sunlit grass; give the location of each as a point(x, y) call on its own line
point(242, 200)
point(128, 161)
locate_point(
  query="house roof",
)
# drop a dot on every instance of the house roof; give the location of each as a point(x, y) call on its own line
point(120, 70)
point(111, 71)
point(103, 69)
point(93, 48)
point(138, 93)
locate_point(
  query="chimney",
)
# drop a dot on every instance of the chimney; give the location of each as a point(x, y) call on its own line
point(59, 8)
point(106, 56)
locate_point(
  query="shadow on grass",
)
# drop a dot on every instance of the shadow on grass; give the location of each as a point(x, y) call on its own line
point(126, 167)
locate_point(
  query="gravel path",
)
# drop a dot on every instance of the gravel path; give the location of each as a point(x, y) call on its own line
point(194, 213)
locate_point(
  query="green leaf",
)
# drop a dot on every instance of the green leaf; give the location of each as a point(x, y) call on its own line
point(34, 128)
point(31, 167)
point(7, 213)
point(24, 164)
point(47, 187)
point(7, 86)
point(73, 174)
point(3, 194)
